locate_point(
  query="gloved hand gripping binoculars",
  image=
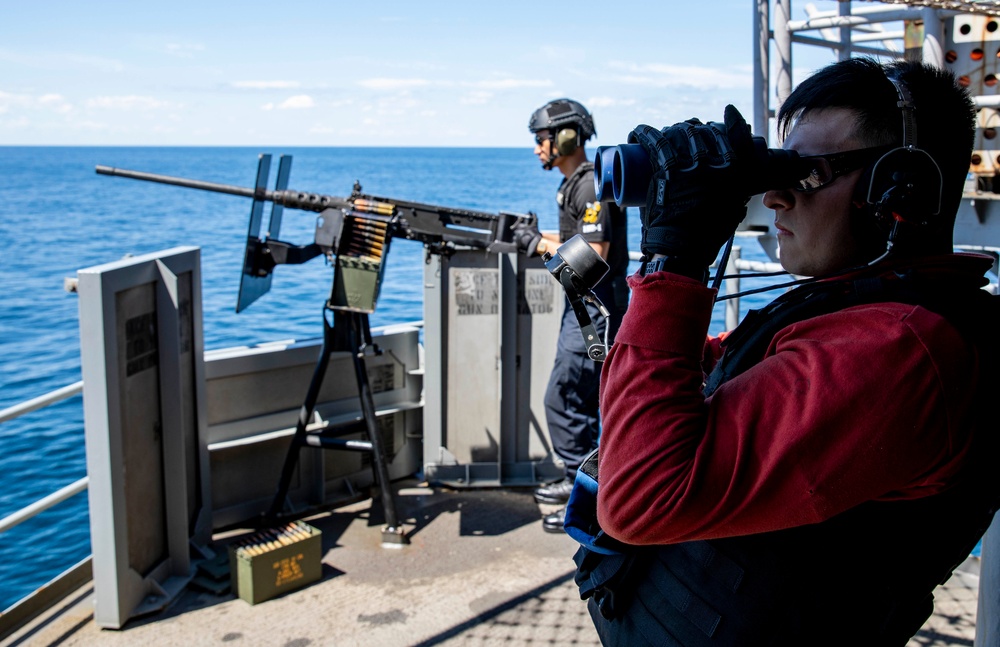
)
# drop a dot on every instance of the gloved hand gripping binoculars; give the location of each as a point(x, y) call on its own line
point(622, 173)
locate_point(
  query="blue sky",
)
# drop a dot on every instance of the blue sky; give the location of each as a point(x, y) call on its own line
point(376, 73)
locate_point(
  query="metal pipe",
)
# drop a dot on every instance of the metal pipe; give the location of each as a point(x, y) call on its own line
point(41, 401)
point(783, 49)
point(858, 11)
point(733, 287)
point(895, 15)
point(877, 36)
point(44, 504)
point(835, 45)
point(933, 51)
point(761, 64)
point(987, 101)
point(843, 11)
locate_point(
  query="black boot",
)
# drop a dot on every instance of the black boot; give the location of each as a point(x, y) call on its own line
point(554, 493)
point(554, 522)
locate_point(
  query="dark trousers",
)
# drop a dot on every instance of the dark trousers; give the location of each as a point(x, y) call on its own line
point(571, 408)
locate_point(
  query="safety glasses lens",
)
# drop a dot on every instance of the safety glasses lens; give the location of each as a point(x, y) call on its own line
point(819, 171)
point(819, 175)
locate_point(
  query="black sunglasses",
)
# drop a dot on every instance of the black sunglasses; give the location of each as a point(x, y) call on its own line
point(819, 171)
point(539, 139)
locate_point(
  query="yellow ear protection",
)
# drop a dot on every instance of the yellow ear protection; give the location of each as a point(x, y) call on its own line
point(567, 141)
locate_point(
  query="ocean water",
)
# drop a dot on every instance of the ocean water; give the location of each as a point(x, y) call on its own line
point(58, 216)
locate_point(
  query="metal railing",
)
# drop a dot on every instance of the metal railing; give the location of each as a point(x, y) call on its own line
point(43, 504)
point(60, 495)
point(27, 608)
point(41, 401)
point(737, 265)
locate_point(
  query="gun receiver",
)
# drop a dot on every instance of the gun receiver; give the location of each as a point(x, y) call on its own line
point(352, 232)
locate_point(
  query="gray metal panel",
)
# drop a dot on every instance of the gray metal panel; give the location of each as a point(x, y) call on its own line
point(472, 394)
point(539, 316)
point(491, 325)
point(435, 423)
point(143, 367)
point(254, 401)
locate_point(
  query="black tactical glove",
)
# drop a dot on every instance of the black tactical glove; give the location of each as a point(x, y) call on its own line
point(527, 236)
point(699, 192)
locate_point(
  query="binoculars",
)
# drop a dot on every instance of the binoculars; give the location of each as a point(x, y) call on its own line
point(622, 173)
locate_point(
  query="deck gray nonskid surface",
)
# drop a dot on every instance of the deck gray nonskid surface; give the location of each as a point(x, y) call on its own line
point(479, 571)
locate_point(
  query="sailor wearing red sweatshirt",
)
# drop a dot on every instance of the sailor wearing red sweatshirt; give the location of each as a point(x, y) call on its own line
point(810, 478)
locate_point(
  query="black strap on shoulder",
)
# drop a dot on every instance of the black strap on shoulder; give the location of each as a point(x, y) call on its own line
point(746, 345)
point(973, 311)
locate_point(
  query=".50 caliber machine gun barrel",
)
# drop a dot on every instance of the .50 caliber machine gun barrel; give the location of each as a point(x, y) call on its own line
point(288, 198)
point(432, 224)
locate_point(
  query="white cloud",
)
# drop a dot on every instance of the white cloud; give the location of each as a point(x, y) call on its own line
point(18, 123)
point(661, 75)
point(92, 126)
point(477, 98)
point(267, 106)
point(8, 101)
point(393, 84)
point(608, 102)
point(61, 61)
point(127, 102)
point(96, 62)
point(264, 85)
point(49, 102)
point(184, 50)
point(296, 102)
point(511, 84)
point(55, 102)
point(557, 53)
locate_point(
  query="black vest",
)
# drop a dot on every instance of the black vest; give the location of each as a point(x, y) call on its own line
point(864, 577)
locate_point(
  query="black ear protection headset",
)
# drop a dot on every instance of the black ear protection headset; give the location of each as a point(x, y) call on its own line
point(902, 188)
point(900, 191)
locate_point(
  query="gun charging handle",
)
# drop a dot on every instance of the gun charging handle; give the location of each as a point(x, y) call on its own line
point(579, 268)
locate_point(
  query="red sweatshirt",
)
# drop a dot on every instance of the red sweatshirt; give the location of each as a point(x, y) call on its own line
point(868, 403)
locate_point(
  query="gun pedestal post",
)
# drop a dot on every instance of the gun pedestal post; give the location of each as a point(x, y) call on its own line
point(358, 337)
point(350, 331)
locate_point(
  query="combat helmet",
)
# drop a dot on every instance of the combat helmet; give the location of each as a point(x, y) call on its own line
point(559, 113)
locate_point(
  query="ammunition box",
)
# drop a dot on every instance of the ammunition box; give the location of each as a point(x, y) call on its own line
point(275, 561)
point(356, 284)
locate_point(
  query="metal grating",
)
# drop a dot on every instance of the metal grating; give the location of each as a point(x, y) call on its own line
point(985, 7)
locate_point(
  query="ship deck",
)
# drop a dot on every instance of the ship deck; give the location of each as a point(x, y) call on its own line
point(479, 570)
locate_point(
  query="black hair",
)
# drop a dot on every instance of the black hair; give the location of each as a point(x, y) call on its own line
point(945, 115)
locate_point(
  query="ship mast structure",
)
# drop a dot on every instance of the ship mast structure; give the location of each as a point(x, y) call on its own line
point(960, 36)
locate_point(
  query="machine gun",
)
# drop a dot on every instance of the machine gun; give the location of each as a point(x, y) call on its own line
point(354, 234)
